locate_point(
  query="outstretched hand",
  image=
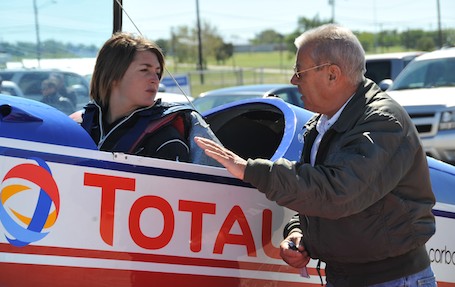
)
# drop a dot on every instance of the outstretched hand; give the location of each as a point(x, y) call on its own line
point(232, 162)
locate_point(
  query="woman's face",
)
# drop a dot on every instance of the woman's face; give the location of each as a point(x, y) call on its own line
point(139, 85)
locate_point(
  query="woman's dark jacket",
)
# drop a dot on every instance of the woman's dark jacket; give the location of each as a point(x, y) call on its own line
point(163, 130)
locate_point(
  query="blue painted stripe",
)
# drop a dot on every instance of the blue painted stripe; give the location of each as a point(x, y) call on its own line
point(87, 162)
point(442, 213)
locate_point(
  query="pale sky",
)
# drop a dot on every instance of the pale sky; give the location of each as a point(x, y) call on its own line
point(90, 21)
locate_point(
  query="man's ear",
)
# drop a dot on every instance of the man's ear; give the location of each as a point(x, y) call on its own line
point(334, 72)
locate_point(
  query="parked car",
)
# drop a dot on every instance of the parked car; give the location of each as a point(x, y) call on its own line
point(426, 89)
point(214, 98)
point(29, 81)
point(161, 88)
point(387, 66)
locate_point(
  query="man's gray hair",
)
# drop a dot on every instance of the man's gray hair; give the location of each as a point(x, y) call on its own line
point(337, 45)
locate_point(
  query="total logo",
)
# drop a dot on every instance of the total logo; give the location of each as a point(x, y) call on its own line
point(25, 224)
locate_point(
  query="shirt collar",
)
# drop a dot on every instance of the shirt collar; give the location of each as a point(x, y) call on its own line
point(324, 123)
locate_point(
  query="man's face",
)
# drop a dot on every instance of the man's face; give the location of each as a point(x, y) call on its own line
point(311, 81)
point(57, 80)
point(48, 90)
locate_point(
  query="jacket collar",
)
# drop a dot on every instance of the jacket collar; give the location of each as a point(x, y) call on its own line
point(355, 106)
point(346, 118)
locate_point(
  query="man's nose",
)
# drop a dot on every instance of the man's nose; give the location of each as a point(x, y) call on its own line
point(294, 80)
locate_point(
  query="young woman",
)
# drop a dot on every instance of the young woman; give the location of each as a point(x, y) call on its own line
point(124, 116)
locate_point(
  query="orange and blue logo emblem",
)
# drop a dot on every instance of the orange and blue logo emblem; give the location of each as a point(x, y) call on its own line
point(29, 202)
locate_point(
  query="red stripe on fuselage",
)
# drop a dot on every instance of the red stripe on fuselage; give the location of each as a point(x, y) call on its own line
point(23, 275)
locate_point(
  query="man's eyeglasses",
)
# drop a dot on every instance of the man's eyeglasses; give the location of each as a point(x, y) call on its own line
point(297, 73)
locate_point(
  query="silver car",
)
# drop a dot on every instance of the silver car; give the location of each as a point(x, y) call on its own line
point(426, 89)
point(214, 98)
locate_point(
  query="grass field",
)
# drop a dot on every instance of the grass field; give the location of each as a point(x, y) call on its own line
point(241, 69)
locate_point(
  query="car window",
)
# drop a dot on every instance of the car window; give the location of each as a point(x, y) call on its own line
point(8, 90)
point(73, 79)
point(6, 76)
point(208, 102)
point(77, 85)
point(205, 103)
point(427, 74)
point(378, 70)
point(295, 97)
point(30, 84)
point(290, 95)
point(285, 96)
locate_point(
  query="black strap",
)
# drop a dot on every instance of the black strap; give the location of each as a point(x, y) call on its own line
point(318, 268)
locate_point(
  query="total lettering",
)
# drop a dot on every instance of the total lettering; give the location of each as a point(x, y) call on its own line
point(110, 185)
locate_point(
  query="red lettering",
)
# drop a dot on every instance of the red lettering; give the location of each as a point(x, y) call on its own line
point(197, 210)
point(109, 184)
point(224, 237)
point(134, 222)
point(269, 249)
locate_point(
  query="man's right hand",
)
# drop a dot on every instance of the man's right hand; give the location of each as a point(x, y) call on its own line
point(296, 258)
point(232, 162)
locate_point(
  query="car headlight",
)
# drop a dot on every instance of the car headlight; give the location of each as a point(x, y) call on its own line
point(447, 120)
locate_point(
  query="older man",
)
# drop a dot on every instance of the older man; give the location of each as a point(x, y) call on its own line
point(362, 187)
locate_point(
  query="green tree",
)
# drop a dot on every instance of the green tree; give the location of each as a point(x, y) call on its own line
point(409, 38)
point(304, 23)
point(164, 45)
point(449, 37)
point(289, 41)
point(267, 37)
point(183, 45)
point(388, 38)
point(211, 40)
point(224, 52)
point(54, 49)
point(425, 43)
point(25, 49)
point(367, 40)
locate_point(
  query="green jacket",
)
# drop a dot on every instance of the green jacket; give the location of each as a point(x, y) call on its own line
point(367, 200)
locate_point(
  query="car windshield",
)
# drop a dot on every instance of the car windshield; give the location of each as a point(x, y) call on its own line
point(56, 41)
point(203, 104)
point(427, 74)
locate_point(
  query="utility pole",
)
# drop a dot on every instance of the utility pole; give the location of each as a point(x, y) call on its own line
point(38, 41)
point(332, 2)
point(174, 49)
point(439, 24)
point(118, 16)
point(200, 64)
